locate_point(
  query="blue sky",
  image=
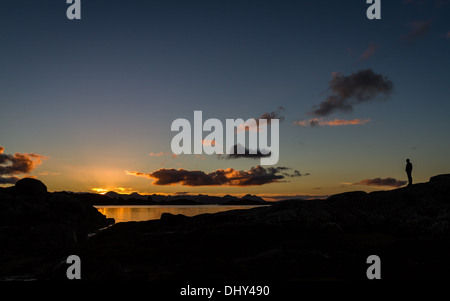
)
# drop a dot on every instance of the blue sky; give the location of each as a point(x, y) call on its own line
point(96, 96)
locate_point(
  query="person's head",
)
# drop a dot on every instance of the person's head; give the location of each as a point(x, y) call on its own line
point(407, 160)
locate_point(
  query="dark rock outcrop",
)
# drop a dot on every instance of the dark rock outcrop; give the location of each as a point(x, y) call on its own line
point(35, 224)
point(29, 186)
point(290, 240)
point(408, 228)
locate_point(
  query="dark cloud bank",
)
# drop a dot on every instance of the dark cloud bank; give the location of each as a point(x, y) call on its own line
point(348, 91)
point(391, 182)
point(227, 177)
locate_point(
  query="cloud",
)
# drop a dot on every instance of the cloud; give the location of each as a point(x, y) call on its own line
point(391, 182)
point(160, 154)
point(222, 177)
point(419, 29)
point(246, 153)
point(272, 115)
point(369, 52)
point(267, 115)
point(335, 122)
point(152, 154)
point(136, 173)
point(208, 142)
point(9, 180)
point(348, 91)
point(182, 193)
point(305, 123)
point(49, 173)
point(12, 165)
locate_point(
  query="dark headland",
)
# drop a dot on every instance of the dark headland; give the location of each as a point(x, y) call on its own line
point(408, 228)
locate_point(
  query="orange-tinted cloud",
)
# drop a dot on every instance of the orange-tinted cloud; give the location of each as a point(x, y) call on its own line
point(158, 154)
point(49, 173)
point(338, 122)
point(209, 142)
point(227, 177)
point(335, 122)
point(135, 173)
point(12, 165)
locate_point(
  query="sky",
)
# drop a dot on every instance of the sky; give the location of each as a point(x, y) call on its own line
point(87, 105)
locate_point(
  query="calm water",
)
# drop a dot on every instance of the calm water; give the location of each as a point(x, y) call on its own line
point(144, 213)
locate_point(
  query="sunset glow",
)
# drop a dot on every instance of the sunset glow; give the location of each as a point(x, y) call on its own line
point(119, 190)
point(224, 147)
point(94, 112)
point(100, 190)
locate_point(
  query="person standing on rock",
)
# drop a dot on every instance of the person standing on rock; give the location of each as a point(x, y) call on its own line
point(408, 170)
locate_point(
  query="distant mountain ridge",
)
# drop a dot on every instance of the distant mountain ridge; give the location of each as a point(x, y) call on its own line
point(114, 198)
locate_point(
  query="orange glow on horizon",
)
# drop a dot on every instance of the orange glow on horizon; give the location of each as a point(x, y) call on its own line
point(100, 190)
point(119, 190)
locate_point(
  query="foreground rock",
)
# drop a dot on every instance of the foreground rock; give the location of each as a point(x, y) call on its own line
point(408, 228)
point(35, 224)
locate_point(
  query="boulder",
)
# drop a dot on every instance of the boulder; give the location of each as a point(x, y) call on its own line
point(30, 186)
point(440, 178)
point(35, 222)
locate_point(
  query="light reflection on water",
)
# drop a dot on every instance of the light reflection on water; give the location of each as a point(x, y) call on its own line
point(144, 213)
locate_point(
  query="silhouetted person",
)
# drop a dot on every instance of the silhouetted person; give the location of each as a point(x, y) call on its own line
point(408, 170)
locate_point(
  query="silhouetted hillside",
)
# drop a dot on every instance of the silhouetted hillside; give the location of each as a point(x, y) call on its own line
point(408, 228)
point(113, 198)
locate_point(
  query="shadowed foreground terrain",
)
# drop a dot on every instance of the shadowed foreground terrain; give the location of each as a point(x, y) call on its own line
point(408, 228)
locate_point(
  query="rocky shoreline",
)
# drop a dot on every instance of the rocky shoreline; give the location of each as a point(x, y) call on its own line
point(408, 228)
point(36, 226)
